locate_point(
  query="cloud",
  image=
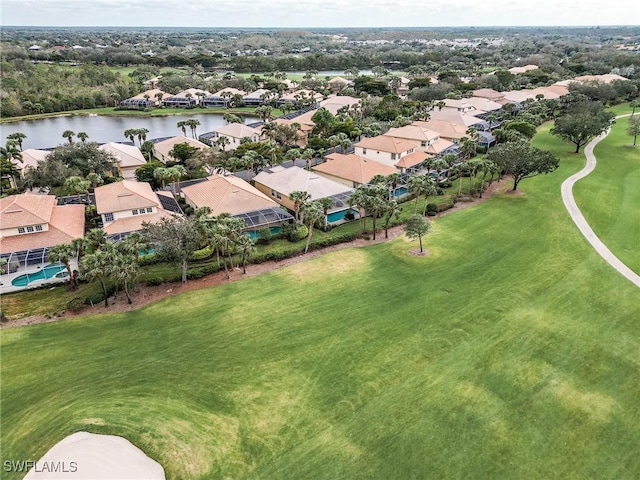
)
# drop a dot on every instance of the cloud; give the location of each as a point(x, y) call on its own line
point(315, 13)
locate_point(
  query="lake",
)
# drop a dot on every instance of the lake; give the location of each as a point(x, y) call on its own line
point(47, 132)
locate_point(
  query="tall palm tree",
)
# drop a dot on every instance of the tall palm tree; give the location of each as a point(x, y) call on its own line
point(182, 125)
point(326, 203)
point(175, 173)
point(222, 142)
point(163, 175)
point(142, 135)
point(64, 253)
point(77, 185)
point(312, 212)
point(18, 137)
point(391, 209)
point(11, 152)
point(130, 133)
point(124, 269)
point(247, 245)
point(193, 125)
point(94, 240)
point(97, 265)
point(83, 136)
point(416, 186)
point(299, 199)
point(68, 134)
point(94, 179)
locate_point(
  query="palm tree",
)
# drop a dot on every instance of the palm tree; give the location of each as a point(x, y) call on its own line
point(94, 240)
point(77, 185)
point(8, 170)
point(183, 126)
point(299, 199)
point(83, 136)
point(158, 96)
point(97, 265)
point(163, 175)
point(68, 134)
point(193, 125)
point(175, 173)
point(130, 133)
point(142, 135)
point(134, 243)
point(11, 152)
point(326, 203)
point(416, 186)
point(124, 269)
point(64, 253)
point(247, 245)
point(94, 179)
point(18, 137)
point(147, 148)
point(391, 209)
point(222, 142)
point(312, 212)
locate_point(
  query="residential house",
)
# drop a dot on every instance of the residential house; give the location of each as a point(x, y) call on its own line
point(489, 94)
point(125, 206)
point(129, 157)
point(278, 183)
point(30, 159)
point(302, 134)
point(445, 129)
point(300, 96)
point(188, 98)
point(232, 195)
point(337, 84)
point(162, 150)
point(422, 138)
point(29, 226)
point(149, 99)
point(235, 132)
point(391, 151)
point(257, 98)
point(454, 115)
point(224, 98)
point(352, 170)
point(476, 106)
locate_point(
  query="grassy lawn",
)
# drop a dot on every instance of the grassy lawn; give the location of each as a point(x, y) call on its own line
point(509, 352)
point(610, 196)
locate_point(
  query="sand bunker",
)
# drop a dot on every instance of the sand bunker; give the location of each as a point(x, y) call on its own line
point(87, 456)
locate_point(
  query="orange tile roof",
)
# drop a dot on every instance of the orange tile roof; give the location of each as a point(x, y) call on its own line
point(227, 194)
point(412, 159)
point(125, 195)
point(134, 223)
point(384, 143)
point(66, 223)
point(353, 167)
point(446, 129)
point(26, 209)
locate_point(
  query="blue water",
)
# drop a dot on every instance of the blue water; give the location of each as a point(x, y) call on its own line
point(254, 234)
point(47, 272)
point(400, 192)
point(339, 216)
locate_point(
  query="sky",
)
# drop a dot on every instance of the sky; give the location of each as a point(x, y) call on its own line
point(318, 13)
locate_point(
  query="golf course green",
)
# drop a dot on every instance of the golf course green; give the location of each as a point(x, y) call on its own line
point(510, 351)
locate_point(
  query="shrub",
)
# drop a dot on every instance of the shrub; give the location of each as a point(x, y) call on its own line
point(445, 206)
point(75, 304)
point(153, 281)
point(201, 254)
point(98, 297)
point(432, 209)
point(188, 211)
point(349, 215)
point(264, 236)
point(299, 234)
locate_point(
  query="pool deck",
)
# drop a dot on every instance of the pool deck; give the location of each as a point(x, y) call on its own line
point(7, 287)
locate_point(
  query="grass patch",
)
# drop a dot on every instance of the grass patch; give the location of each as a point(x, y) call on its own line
point(609, 197)
point(509, 352)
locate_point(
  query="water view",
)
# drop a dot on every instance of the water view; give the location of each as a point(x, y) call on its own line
point(47, 132)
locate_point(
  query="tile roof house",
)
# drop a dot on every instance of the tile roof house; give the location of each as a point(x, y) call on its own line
point(125, 205)
point(489, 94)
point(258, 97)
point(232, 195)
point(352, 170)
point(144, 100)
point(390, 151)
point(446, 130)
point(299, 95)
point(161, 149)
point(186, 98)
point(223, 98)
point(338, 83)
point(129, 158)
point(476, 106)
point(278, 183)
point(30, 159)
point(235, 132)
point(454, 115)
point(29, 226)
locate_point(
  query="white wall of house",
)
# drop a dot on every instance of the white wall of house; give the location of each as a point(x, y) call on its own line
point(24, 230)
point(109, 217)
point(387, 158)
point(343, 181)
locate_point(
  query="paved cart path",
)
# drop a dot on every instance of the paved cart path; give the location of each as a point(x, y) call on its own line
point(581, 222)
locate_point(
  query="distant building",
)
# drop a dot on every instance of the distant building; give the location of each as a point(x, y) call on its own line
point(162, 150)
point(129, 157)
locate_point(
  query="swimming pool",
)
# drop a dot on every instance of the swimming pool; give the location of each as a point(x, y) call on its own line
point(339, 216)
point(400, 192)
point(49, 271)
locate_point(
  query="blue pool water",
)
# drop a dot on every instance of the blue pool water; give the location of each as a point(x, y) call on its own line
point(338, 216)
point(254, 234)
point(400, 192)
point(49, 271)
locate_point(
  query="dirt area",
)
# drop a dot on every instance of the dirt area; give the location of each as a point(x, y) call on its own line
point(146, 295)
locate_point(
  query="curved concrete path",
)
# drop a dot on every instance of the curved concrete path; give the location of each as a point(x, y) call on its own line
point(581, 222)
